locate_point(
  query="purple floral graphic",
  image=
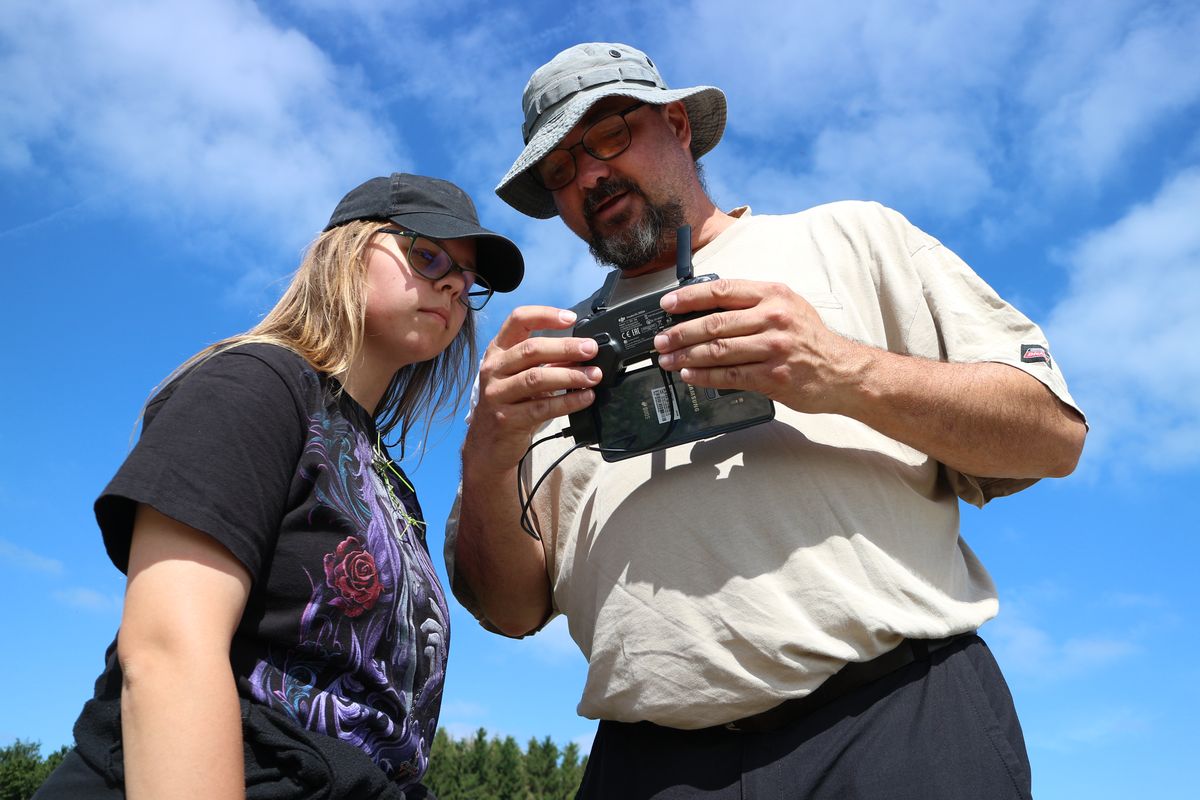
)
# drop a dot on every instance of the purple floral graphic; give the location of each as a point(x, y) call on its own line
point(370, 659)
point(351, 571)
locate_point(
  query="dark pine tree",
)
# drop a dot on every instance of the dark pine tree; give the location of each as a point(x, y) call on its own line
point(22, 768)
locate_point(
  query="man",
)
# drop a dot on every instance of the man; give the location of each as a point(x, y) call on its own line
point(786, 610)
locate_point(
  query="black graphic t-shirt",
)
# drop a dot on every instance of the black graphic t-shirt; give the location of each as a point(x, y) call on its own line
point(346, 629)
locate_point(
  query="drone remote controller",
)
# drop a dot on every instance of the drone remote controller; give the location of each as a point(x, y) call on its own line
point(632, 406)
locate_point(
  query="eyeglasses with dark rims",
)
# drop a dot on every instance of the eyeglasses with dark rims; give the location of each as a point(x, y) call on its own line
point(433, 263)
point(604, 139)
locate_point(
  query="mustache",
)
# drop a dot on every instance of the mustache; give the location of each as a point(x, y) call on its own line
point(604, 190)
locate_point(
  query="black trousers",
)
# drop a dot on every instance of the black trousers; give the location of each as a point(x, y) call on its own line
point(940, 729)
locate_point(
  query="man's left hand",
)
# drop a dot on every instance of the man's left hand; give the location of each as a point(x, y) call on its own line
point(984, 419)
point(764, 337)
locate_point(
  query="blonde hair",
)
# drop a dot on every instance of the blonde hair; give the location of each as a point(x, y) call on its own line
point(321, 317)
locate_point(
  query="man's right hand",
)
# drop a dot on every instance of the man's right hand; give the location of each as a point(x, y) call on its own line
point(521, 384)
point(524, 381)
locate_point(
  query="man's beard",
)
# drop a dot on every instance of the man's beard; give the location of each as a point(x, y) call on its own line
point(643, 239)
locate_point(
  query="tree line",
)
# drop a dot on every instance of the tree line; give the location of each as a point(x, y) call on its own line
point(474, 768)
point(479, 768)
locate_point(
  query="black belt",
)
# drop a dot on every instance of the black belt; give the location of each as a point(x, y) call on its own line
point(850, 677)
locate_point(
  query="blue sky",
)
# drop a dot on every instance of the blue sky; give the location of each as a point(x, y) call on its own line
point(162, 166)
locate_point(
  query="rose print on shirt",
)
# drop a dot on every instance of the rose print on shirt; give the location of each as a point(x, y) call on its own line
point(352, 573)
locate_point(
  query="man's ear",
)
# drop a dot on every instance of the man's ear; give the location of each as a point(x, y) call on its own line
point(677, 118)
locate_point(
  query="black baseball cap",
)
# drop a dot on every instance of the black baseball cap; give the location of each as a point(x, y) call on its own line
point(438, 209)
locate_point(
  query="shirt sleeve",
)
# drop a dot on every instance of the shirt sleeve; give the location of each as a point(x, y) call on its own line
point(218, 452)
point(964, 320)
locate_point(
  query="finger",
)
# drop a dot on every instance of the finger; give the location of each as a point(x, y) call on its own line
point(526, 415)
point(721, 293)
point(539, 381)
point(524, 320)
point(538, 351)
point(740, 376)
point(746, 352)
point(544, 409)
point(718, 325)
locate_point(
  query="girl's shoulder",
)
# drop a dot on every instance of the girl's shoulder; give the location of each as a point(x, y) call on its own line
point(260, 359)
point(256, 367)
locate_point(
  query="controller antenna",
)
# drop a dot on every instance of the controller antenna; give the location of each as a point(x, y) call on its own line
point(683, 253)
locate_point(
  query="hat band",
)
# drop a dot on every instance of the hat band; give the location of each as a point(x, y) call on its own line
point(573, 84)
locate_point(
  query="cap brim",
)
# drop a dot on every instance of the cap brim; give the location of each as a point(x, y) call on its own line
point(706, 112)
point(497, 258)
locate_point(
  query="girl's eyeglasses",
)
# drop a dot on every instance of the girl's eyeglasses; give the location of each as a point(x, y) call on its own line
point(430, 261)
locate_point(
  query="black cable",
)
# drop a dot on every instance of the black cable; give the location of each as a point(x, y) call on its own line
point(526, 520)
point(526, 501)
point(521, 498)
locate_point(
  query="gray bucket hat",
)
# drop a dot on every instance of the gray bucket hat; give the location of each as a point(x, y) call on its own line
point(560, 92)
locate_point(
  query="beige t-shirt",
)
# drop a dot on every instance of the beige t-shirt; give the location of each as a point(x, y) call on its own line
point(712, 580)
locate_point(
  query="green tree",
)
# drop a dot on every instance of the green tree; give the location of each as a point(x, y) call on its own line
point(570, 772)
point(445, 773)
point(479, 768)
point(22, 768)
point(541, 767)
point(507, 777)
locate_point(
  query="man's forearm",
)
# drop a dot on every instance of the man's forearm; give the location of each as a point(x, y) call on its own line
point(504, 567)
point(984, 419)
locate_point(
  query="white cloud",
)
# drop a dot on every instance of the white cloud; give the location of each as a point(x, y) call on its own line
point(931, 106)
point(28, 560)
point(871, 100)
point(360, 11)
point(460, 719)
point(895, 159)
point(174, 109)
point(815, 62)
point(453, 75)
point(463, 708)
point(219, 109)
point(1035, 654)
point(562, 271)
point(1109, 84)
point(554, 643)
point(1128, 327)
point(1137, 600)
point(1027, 650)
point(1093, 728)
point(89, 599)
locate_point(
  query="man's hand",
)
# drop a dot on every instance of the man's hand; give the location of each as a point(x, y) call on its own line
point(522, 380)
point(984, 419)
point(766, 338)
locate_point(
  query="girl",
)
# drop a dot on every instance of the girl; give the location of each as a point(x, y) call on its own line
point(284, 633)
